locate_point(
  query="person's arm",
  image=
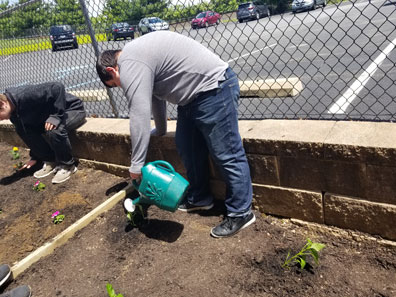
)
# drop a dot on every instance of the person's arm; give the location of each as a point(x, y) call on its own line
point(57, 102)
point(137, 81)
point(159, 115)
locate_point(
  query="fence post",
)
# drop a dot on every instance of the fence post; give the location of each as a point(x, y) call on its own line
point(96, 49)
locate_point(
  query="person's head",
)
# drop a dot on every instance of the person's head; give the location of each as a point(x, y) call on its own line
point(107, 68)
point(5, 108)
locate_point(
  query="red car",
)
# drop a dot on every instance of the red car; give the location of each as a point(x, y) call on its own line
point(205, 19)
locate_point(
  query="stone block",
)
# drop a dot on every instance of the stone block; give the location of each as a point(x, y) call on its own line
point(8, 135)
point(113, 149)
point(344, 178)
point(174, 159)
point(370, 217)
point(299, 149)
point(291, 203)
point(380, 184)
point(263, 169)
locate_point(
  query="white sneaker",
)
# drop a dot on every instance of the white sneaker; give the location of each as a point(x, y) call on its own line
point(48, 168)
point(63, 173)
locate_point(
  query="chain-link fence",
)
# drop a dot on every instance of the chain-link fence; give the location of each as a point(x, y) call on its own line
point(308, 59)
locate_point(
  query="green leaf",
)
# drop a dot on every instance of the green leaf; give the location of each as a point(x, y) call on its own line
point(315, 255)
point(317, 246)
point(110, 290)
point(302, 262)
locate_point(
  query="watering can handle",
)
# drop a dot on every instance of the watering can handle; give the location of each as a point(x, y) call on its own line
point(135, 184)
point(164, 164)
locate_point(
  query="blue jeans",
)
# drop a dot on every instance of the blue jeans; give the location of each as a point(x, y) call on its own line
point(54, 145)
point(209, 125)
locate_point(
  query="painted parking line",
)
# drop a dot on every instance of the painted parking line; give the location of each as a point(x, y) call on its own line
point(68, 71)
point(248, 54)
point(347, 98)
point(7, 58)
point(82, 84)
point(300, 45)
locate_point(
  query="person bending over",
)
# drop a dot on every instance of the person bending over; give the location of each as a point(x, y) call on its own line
point(43, 116)
point(165, 67)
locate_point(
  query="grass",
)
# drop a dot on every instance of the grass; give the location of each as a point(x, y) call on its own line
point(24, 45)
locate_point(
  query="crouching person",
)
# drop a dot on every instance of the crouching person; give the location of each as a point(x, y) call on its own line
point(43, 116)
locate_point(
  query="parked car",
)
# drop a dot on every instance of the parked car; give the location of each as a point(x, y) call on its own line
point(252, 10)
point(205, 19)
point(63, 36)
point(120, 30)
point(303, 5)
point(150, 24)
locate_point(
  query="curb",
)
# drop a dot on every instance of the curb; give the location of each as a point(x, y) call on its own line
point(269, 88)
point(63, 237)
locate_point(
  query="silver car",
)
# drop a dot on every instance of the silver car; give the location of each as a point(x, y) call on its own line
point(303, 5)
point(147, 25)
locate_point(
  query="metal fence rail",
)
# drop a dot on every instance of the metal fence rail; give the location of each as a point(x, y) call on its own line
point(334, 61)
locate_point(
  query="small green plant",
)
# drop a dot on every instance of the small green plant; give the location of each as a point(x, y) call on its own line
point(17, 166)
point(38, 186)
point(135, 217)
point(57, 218)
point(15, 153)
point(111, 291)
point(310, 248)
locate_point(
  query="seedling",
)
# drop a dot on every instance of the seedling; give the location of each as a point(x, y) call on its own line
point(57, 218)
point(310, 248)
point(38, 186)
point(17, 166)
point(15, 153)
point(111, 291)
point(135, 217)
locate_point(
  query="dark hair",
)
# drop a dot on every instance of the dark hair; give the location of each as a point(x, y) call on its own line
point(106, 59)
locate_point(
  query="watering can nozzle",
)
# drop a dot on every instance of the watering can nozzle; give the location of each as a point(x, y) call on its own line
point(128, 205)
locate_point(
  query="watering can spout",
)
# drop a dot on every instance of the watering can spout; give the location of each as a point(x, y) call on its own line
point(160, 185)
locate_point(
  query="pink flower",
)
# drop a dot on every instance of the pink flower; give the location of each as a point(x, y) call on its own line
point(54, 214)
point(37, 183)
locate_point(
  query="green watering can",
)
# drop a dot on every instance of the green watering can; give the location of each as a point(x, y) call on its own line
point(161, 185)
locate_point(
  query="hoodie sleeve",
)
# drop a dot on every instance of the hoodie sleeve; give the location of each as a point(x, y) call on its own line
point(57, 102)
point(137, 81)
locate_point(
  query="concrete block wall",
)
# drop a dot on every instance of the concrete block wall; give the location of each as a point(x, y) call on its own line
point(336, 173)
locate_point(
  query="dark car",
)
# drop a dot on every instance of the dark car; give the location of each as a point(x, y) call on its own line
point(120, 30)
point(252, 10)
point(62, 36)
point(205, 19)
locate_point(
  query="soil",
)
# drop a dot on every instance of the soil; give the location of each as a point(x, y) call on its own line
point(172, 254)
point(25, 218)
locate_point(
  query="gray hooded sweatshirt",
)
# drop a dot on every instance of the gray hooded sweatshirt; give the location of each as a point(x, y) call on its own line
point(158, 67)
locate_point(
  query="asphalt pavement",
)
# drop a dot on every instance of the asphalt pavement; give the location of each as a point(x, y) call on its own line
point(343, 54)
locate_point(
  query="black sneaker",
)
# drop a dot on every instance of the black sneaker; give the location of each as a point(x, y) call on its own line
point(190, 207)
point(5, 274)
point(22, 291)
point(232, 225)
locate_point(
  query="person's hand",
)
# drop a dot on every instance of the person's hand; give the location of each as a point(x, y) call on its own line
point(49, 126)
point(29, 164)
point(136, 176)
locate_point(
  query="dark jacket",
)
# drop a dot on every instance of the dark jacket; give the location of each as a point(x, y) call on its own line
point(37, 104)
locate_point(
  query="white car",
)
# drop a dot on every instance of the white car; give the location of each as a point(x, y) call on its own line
point(302, 5)
point(147, 25)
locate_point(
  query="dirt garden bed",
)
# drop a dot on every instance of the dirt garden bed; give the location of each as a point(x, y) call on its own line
point(172, 254)
point(25, 218)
